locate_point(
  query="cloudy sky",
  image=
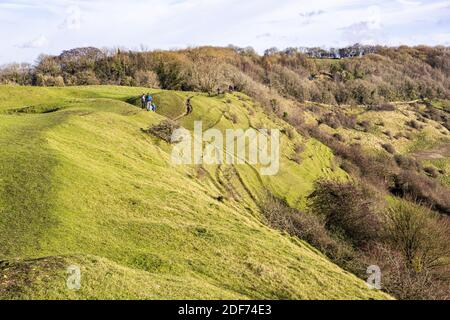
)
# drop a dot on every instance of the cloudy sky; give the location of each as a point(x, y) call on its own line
point(28, 28)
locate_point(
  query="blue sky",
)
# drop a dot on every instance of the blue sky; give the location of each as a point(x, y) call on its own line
point(28, 28)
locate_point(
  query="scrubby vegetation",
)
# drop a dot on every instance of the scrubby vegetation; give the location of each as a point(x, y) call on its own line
point(416, 252)
point(163, 130)
point(348, 209)
point(374, 79)
point(408, 241)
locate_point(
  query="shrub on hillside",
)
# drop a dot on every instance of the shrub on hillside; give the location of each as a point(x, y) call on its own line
point(431, 171)
point(411, 184)
point(405, 283)
point(163, 130)
point(414, 124)
point(422, 236)
point(365, 125)
point(330, 120)
point(388, 147)
point(289, 132)
point(308, 227)
point(233, 117)
point(348, 209)
point(350, 168)
point(407, 163)
point(417, 252)
point(338, 119)
point(147, 79)
point(299, 148)
point(15, 73)
point(296, 158)
point(49, 81)
point(339, 137)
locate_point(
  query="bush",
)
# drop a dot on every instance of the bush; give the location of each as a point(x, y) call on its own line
point(296, 158)
point(418, 242)
point(407, 163)
point(419, 234)
point(200, 172)
point(233, 118)
point(365, 125)
point(431, 171)
point(289, 132)
point(388, 147)
point(49, 81)
point(348, 209)
point(413, 185)
point(405, 283)
point(147, 79)
point(338, 119)
point(330, 120)
point(299, 148)
point(308, 227)
point(408, 136)
point(350, 168)
point(163, 130)
point(414, 124)
point(338, 137)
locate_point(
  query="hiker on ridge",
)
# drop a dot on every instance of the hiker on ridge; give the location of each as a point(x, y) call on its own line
point(148, 99)
point(143, 100)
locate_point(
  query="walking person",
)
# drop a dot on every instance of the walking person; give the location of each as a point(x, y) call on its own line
point(149, 99)
point(143, 100)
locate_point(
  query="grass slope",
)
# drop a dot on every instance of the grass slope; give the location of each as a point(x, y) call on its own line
point(82, 185)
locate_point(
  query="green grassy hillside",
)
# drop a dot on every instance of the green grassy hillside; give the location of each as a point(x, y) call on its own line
point(82, 184)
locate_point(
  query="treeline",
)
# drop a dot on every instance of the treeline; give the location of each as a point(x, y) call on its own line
point(373, 75)
point(356, 50)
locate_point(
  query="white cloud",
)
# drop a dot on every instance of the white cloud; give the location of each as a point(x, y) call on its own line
point(368, 31)
point(264, 35)
point(73, 18)
point(310, 14)
point(38, 42)
point(410, 3)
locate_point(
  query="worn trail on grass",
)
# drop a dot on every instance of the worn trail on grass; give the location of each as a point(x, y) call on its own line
point(439, 152)
point(188, 109)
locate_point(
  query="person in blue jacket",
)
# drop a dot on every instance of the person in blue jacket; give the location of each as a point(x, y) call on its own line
point(149, 100)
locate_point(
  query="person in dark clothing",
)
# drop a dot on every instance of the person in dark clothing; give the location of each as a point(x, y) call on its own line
point(143, 100)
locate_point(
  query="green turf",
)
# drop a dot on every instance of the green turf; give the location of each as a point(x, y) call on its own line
point(82, 185)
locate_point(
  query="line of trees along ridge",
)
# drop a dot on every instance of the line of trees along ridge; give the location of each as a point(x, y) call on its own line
point(368, 75)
